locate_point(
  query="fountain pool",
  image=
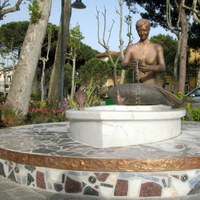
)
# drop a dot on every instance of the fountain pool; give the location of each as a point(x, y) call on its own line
point(110, 126)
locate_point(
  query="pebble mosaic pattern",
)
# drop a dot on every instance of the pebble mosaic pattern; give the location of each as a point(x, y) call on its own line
point(54, 139)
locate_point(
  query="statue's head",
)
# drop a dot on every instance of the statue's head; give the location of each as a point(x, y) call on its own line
point(143, 28)
point(142, 22)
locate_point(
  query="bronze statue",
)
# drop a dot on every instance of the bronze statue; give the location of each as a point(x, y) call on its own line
point(145, 57)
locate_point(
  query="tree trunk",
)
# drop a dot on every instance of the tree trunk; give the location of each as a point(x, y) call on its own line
point(20, 91)
point(183, 53)
point(42, 83)
point(176, 63)
point(73, 76)
point(44, 61)
point(121, 41)
point(54, 85)
point(198, 79)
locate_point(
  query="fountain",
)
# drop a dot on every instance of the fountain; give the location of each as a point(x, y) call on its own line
point(122, 125)
point(99, 153)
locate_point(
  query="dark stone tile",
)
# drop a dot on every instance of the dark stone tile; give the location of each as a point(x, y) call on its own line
point(2, 173)
point(30, 179)
point(102, 177)
point(58, 187)
point(121, 188)
point(106, 185)
point(40, 182)
point(30, 168)
point(92, 179)
point(72, 186)
point(17, 169)
point(43, 150)
point(90, 191)
point(150, 189)
point(195, 190)
point(12, 176)
point(63, 178)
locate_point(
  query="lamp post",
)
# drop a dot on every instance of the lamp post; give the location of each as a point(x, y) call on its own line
point(78, 5)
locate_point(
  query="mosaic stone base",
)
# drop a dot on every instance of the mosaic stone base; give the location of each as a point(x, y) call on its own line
point(104, 184)
point(42, 156)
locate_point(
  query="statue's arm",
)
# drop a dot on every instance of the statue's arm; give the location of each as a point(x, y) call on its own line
point(161, 61)
point(127, 58)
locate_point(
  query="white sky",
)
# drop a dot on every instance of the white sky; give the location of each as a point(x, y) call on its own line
point(86, 18)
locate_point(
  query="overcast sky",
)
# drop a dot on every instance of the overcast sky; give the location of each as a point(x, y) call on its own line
point(86, 18)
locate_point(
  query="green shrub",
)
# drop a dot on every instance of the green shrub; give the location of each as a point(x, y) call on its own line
point(193, 114)
point(11, 117)
point(35, 97)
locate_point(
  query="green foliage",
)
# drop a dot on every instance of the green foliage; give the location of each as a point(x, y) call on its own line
point(34, 10)
point(35, 97)
point(11, 117)
point(96, 69)
point(194, 36)
point(75, 41)
point(85, 52)
point(42, 112)
point(129, 76)
point(72, 104)
point(45, 115)
point(193, 114)
point(156, 11)
point(93, 98)
point(180, 95)
point(169, 47)
point(12, 35)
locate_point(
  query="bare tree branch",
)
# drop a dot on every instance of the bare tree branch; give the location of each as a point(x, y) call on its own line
point(174, 30)
point(104, 29)
point(4, 10)
point(44, 61)
point(110, 32)
point(103, 43)
point(193, 9)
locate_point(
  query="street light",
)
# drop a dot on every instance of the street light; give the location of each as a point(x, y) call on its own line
point(78, 4)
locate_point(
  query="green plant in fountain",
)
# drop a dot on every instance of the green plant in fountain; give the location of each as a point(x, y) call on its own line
point(93, 98)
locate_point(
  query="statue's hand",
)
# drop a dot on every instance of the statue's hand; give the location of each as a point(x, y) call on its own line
point(142, 66)
point(133, 63)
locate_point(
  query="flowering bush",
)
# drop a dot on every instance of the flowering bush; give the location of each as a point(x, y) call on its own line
point(40, 112)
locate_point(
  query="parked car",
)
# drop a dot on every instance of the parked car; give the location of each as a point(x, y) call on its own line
point(195, 95)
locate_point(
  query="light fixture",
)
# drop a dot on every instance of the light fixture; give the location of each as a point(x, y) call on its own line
point(78, 4)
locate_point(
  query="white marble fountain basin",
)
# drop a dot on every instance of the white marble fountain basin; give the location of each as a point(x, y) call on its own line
point(110, 126)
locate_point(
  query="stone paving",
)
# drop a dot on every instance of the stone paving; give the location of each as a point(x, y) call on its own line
point(54, 139)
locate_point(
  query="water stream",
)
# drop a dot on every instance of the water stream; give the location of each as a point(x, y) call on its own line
point(138, 94)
